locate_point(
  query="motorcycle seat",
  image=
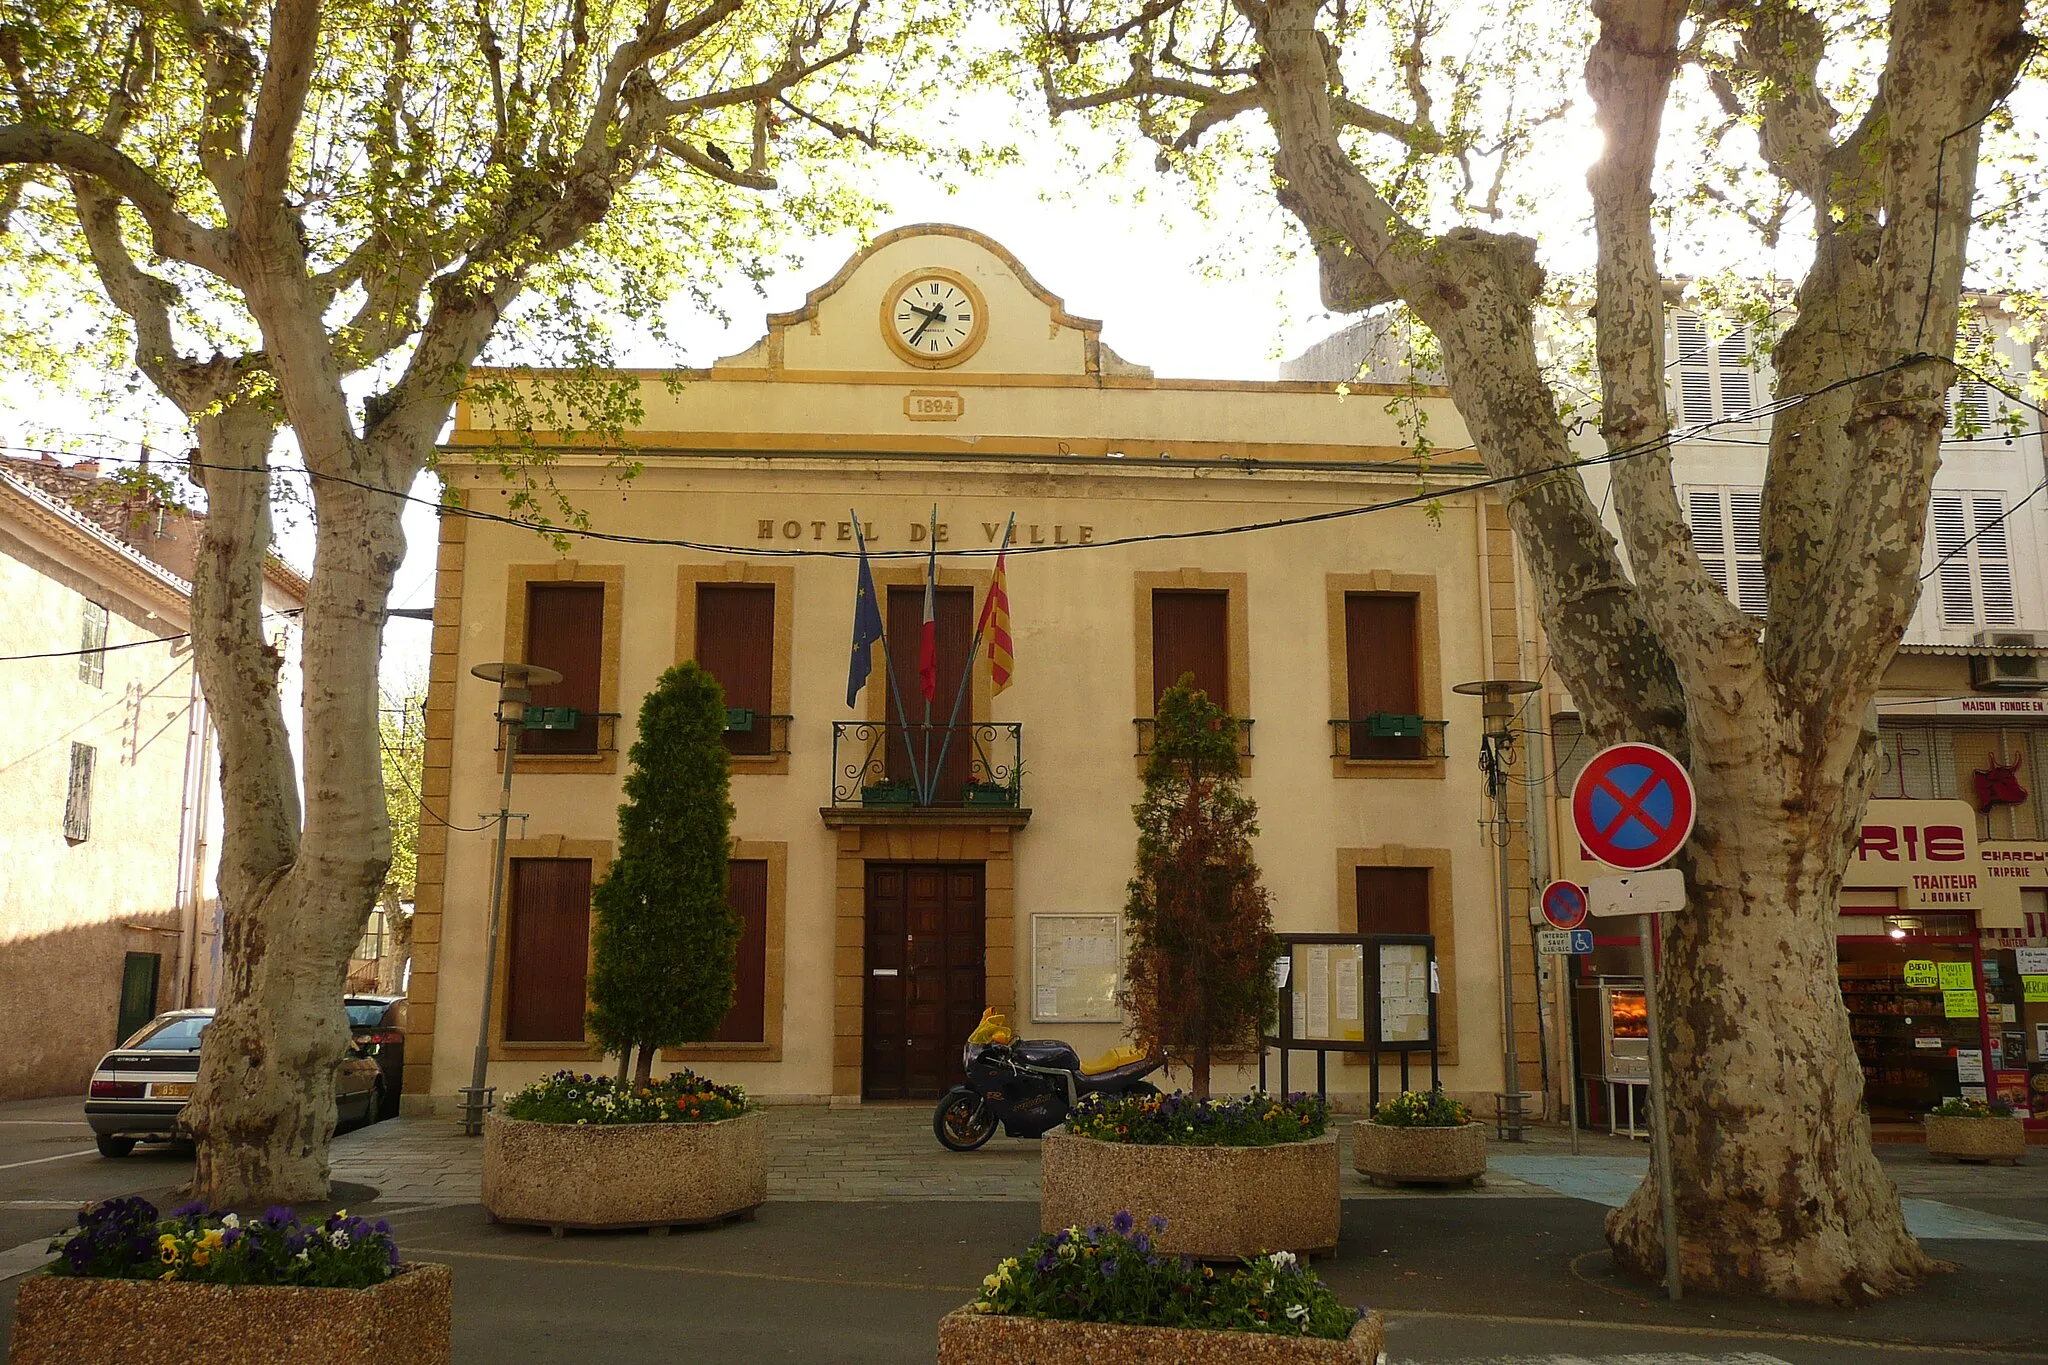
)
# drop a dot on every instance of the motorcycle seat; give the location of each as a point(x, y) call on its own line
point(1111, 1060)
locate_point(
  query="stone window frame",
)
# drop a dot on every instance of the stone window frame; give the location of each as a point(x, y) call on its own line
point(1429, 661)
point(1442, 925)
point(875, 696)
point(774, 963)
point(1237, 614)
point(783, 580)
point(612, 578)
point(599, 853)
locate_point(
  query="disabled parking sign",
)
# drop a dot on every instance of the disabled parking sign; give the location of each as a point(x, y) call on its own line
point(1633, 807)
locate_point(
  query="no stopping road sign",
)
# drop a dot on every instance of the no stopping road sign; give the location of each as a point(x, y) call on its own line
point(1633, 807)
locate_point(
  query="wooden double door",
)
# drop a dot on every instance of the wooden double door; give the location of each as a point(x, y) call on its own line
point(924, 976)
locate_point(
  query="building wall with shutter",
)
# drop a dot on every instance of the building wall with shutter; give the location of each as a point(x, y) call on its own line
point(71, 909)
point(779, 448)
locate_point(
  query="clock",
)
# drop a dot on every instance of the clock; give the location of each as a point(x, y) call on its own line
point(934, 317)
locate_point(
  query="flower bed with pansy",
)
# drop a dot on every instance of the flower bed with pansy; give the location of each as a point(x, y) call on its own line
point(590, 1152)
point(1179, 1120)
point(567, 1097)
point(133, 1285)
point(1109, 1294)
point(1420, 1138)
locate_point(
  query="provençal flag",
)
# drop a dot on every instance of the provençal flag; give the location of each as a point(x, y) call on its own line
point(867, 621)
point(995, 627)
point(928, 630)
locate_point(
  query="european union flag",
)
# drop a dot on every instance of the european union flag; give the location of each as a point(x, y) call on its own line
point(867, 621)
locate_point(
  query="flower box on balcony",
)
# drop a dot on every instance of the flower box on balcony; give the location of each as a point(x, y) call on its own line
point(888, 794)
point(987, 794)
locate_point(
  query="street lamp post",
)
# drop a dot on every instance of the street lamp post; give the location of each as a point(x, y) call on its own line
point(1496, 756)
point(515, 689)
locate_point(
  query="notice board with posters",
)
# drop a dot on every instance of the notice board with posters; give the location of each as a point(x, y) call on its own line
point(1076, 968)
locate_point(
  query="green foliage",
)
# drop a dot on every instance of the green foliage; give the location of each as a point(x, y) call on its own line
point(1199, 976)
point(1956, 1107)
point(1176, 1120)
point(402, 736)
point(567, 1097)
point(125, 1239)
point(1419, 1109)
point(665, 941)
point(1113, 1274)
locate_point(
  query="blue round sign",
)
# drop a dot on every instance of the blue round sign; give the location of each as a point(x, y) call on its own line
point(1564, 905)
point(1633, 807)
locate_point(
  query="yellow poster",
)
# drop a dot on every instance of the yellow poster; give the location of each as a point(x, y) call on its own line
point(1921, 975)
point(1958, 976)
point(2035, 989)
point(1959, 1004)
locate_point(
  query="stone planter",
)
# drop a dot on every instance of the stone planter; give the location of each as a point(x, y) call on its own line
point(1220, 1203)
point(970, 1338)
point(2000, 1142)
point(624, 1175)
point(64, 1320)
point(1420, 1156)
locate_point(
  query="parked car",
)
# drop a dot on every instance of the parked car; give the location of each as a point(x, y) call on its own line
point(141, 1087)
point(378, 1023)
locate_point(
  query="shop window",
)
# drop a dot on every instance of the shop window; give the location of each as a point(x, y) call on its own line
point(78, 794)
point(1727, 531)
point(1973, 565)
point(1393, 900)
point(565, 632)
point(747, 893)
point(92, 645)
point(548, 950)
point(1381, 672)
point(1915, 763)
point(736, 645)
point(1191, 634)
point(1716, 378)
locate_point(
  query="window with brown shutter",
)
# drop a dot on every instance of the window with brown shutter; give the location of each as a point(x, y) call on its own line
point(1191, 634)
point(78, 794)
point(547, 950)
point(1380, 660)
point(565, 632)
point(954, 621)
point(1393, 900)
point(747, 893)
point(736, 645)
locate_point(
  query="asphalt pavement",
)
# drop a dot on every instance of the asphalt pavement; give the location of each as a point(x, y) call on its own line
point(1516, 1280)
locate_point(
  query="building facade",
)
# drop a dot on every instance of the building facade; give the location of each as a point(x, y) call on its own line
point(107, 906)
point(933, 390)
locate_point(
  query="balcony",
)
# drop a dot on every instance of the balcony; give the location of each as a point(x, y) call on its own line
point(1383, 737)
point(1145, 724)
point(755, 734)
point(880, 766)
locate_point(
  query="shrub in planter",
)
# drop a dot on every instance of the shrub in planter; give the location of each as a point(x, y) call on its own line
point(1971, 1130)
point(1110, 1295)
point(1421, 1138)
point(1234, 1178)
point(581, 1151)
point(134, 1286)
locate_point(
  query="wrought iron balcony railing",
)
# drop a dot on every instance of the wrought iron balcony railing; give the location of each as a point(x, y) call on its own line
point(755, 734)
point(925, 766)
point(1244, 735)
point(1383, 736)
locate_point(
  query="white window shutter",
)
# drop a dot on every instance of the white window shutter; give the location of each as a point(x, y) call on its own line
point(1952, 556)
point(1738, 393)
point(1709, 535)
point(1746, 541)
point(1994, 563)
point(1695, 369)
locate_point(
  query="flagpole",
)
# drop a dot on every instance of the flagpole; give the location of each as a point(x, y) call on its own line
point(895, 693)
point(973, 652)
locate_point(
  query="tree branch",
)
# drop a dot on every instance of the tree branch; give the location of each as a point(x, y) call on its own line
point(172, 233)
point(280, 104)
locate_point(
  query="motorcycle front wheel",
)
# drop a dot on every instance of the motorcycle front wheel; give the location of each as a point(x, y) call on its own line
point(962, 1122)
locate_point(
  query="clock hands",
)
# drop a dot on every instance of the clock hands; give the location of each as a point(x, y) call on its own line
point(930, 316)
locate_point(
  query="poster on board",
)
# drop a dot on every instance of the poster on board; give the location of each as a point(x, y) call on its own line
point(1405, 981)
point(1076, 968)
point(1328, 984)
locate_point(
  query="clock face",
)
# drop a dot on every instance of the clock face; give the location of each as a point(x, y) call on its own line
point(934, 320)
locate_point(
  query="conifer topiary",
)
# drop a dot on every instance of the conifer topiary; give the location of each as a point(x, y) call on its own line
point(1199, 979)
point(666, 941)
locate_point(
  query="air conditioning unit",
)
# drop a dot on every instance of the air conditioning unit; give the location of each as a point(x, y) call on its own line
point(2010, 672)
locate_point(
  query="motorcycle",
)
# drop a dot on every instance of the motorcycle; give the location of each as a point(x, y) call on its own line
point(1028, 1086)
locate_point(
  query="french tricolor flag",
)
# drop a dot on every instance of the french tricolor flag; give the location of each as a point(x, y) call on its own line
point(928, 633)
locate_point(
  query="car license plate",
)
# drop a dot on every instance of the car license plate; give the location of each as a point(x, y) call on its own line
point(177, 1090)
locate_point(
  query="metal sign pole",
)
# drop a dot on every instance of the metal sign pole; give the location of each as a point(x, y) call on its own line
point(1660, 1134)
point(1571, 1053)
